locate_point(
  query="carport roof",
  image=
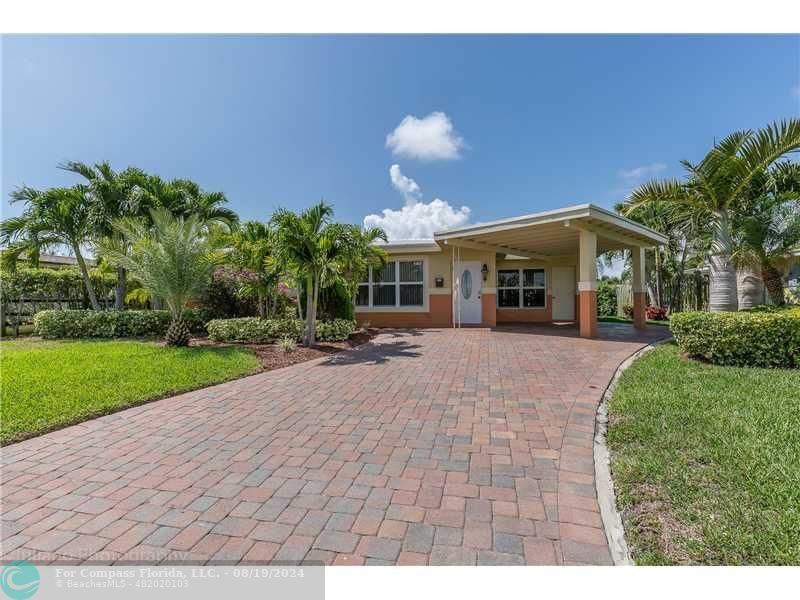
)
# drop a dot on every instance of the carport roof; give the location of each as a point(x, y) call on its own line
point(553, 232)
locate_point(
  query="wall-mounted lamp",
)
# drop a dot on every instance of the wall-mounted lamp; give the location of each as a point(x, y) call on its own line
point(485, 271)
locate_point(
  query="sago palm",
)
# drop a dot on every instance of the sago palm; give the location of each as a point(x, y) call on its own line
point(171, 257)
point(714, 190)
point(55, 217)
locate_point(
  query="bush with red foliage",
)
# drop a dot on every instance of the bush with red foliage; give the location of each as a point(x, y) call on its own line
point(655, 313)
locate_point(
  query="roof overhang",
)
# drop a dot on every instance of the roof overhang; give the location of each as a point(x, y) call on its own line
point(553, 233)
point(411, 246)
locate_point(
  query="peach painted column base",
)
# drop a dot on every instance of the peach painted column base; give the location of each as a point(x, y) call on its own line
point(639, 313)
point(488, 310)
point(588, 314)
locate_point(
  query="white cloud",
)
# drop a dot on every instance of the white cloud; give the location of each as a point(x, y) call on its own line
point(416, 220)
point(428, 139)
point(641, 172)
point(405, 185)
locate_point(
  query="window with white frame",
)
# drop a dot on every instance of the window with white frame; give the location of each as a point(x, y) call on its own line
point(398, 283)
point(521, 288)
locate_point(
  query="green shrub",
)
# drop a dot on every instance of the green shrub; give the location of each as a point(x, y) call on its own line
point(756, 338)
point(336, 330)
point(53, 324)
point(64, 284)
point(606, 299)
point(252, 329)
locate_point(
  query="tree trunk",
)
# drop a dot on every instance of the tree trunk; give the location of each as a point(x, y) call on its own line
point(659, 279)
point(676, 290)
point(119, 291)
point(749, 287)
point(309, 311)
point(85, 275)
point(261, 306)
point(313, 320)
point(722, 274)
point(773, 281)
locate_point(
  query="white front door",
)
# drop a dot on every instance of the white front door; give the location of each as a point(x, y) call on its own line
point(564, 293)
point(467, 304)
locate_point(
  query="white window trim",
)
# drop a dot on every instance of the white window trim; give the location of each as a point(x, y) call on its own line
point(397, 283)
point(521, 287)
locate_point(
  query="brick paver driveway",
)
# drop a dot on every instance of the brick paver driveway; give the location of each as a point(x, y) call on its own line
point(434, 447)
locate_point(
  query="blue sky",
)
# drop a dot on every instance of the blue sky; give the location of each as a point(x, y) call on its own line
point(502, 125)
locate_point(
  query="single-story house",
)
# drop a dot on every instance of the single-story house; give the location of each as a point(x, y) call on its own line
point(56, 261)
point(538, 268)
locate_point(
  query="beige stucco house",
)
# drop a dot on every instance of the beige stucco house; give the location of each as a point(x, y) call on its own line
point(538, 268)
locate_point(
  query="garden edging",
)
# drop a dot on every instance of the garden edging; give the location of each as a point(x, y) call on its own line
point(606, 498)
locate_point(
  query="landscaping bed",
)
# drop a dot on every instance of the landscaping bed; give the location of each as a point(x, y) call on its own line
point(272, 357)
point(706, 461)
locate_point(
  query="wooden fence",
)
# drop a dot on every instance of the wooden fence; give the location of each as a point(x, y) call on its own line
point(20, 311)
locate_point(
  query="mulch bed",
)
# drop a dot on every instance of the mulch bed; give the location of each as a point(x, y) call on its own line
point(272, 357)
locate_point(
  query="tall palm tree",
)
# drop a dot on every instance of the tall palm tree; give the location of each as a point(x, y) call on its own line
point(714, 190)
point(171, 257)
point(315, 249)
point(58, 216)
point(114, 195)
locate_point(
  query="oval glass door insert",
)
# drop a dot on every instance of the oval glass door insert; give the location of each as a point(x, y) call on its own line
point(466, 284)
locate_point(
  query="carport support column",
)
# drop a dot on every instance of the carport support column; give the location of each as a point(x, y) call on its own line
point(587, 284)
point(638, 288)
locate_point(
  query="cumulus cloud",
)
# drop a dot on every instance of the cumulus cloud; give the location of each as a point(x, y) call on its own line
point(641, 172)
point(405, 185)
point(417, 220)
point(428, 139)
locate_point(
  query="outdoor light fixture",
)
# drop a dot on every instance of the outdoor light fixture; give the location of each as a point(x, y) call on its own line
point(484, 271)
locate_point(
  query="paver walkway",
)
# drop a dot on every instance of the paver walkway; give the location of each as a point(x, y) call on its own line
point(467, 446)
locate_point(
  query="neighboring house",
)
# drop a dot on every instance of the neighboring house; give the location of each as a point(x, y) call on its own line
point(57, 261)
point(536, 268)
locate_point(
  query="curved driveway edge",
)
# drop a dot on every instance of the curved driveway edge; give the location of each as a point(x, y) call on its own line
point(470, 446)
point(606, 496)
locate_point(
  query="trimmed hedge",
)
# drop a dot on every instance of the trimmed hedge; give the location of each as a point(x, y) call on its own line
point(253, 329)
point(53, 324)
point(755, 338)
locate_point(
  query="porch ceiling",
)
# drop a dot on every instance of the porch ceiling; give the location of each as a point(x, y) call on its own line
point(553, 233)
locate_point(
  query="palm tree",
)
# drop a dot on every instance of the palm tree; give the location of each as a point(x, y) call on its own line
point(315, 249)
point(714, 190)
point(58, 216)
point(252, 249)
point(362, 252)
point(187, 198)
point(171, 257)
point(114, 195)
point(768, 233)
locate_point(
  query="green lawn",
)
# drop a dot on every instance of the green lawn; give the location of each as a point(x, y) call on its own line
point(48, 384)
point(706, 461)
point(611, 319)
